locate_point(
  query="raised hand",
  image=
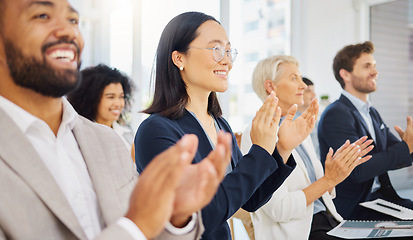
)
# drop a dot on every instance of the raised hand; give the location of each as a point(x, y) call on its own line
point(407, 135)
point(152, 201)
point(200, 181)
point(265, 124)
point(339, 166)
point(293, 133)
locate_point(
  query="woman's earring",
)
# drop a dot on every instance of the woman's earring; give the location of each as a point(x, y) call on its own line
point(181, 68)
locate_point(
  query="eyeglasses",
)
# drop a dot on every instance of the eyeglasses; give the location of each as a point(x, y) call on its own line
point(219, 52)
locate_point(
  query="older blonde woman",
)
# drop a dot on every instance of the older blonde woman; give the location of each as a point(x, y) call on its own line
point(306, 195)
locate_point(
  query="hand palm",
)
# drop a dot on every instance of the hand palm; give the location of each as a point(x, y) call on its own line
point(193, 192)
point(292, 133)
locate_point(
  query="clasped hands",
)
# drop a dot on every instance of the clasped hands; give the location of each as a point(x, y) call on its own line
point(265, 130)
point(171, 188)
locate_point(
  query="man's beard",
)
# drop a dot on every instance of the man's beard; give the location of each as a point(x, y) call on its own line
point(361, 85)
point(38, 75)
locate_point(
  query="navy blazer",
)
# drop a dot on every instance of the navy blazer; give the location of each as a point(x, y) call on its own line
point(341, 121)
point(249, 185)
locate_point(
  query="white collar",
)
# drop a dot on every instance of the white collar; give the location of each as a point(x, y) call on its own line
point(360, 105)
point(24, 119)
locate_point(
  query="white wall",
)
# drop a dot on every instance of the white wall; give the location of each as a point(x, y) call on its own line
point(320, 29)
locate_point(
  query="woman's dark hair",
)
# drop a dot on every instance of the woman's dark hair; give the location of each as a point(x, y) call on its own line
point(86, 98)
point(170, 95)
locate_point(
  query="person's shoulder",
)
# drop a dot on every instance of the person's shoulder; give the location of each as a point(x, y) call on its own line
point(157, 125)
point(98, 129)
point(335, 108)
point(156, 120)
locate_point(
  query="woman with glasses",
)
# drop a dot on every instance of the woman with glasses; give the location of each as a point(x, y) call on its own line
point(193, 60)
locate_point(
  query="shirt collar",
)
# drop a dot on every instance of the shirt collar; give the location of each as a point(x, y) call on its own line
point(24, 119)
point(360, 105)
point(120, 129)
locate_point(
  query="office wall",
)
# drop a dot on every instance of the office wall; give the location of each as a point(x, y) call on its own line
point(320, 29)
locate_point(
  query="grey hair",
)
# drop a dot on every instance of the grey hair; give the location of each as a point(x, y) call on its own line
point(268, 68)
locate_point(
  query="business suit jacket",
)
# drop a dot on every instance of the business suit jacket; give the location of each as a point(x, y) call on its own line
point(251, 183)
point(340, 121)
point(286, 215)
point(32, 205)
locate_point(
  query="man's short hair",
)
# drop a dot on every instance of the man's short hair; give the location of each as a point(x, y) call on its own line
point(307, 81)
point(346, 58)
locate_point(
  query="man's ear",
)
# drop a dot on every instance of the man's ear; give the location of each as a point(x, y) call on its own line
point(269, 86)
point(345, 75)
point(178, 60)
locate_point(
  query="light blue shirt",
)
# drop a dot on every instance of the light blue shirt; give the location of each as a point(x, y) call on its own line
point(364, 110)
point(318, 204)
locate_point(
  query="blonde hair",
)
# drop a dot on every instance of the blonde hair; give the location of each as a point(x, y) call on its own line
point(268, 69)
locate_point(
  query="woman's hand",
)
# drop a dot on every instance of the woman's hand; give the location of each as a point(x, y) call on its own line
point(293, 133)
point(339, 166)
point(265, 124)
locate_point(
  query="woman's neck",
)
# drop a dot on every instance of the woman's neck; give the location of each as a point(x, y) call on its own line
point(198, 104)
point(198, 108)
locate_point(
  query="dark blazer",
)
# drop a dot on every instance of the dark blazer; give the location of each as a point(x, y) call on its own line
point(341, 121)
point(250, 185)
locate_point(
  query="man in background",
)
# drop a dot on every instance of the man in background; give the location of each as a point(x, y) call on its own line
point(351, 117)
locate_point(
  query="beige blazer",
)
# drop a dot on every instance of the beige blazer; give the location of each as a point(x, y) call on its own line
point(33, 207)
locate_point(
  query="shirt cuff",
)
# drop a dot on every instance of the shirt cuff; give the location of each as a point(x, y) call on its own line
point(131, 228)
point(181, 231)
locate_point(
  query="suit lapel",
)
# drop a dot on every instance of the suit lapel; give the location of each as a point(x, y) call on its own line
point(300, 164)
point(375, 118)
point(318, 168)
point(189, 124)
point(356, 113)
point(21, 156)
point(99, 171)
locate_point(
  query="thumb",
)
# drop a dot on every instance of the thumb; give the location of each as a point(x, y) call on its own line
point(329, 155)
point(291, 113)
